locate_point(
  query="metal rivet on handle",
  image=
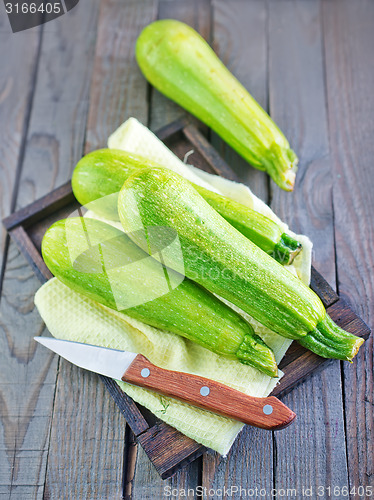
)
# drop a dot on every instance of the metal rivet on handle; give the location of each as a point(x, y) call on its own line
point(145, 372)
point(205, 391)
point(267, 409)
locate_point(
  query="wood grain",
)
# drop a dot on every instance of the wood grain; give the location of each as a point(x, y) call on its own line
point(113, 92)
point(18, 60)
point(87, 439)
point(145, 484)
point(60, 104)
point(26, 428)
point(248, 465)
point(48, 204)
point(25, 415)
point(218, 165)
point(326, 292)
point(195, 13)
point(32, 254)
point(348, 34)
point(159, 438)
point(54, 139)
point(220, 399)
point(118, 89)
point(239, 37)
point(296, 64)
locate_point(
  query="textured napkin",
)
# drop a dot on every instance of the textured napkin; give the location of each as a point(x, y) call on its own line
point(69, 315)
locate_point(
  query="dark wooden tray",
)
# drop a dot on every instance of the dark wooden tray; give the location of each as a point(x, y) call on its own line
point(168, 449)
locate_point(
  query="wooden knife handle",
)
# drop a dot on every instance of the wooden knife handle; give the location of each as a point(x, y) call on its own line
point(266, 413)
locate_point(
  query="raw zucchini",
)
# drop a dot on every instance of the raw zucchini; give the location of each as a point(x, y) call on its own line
point(180, 64)
point(102, 263)
point(261, 230)
point(102, 173)
point(223, 261)
point(99, 175)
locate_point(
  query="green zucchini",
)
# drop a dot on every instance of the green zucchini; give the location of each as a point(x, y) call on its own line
point(258, 228)
point(102, 263)
point(226, 263)
point(99, 175)
point(180, 64)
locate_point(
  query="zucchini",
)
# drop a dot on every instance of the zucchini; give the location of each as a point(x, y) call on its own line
point(223, 261)
point(258, 228)
point(180, 64)
point(99, 175)
point(102, 263)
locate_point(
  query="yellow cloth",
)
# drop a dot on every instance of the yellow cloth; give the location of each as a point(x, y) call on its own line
point(69, 315)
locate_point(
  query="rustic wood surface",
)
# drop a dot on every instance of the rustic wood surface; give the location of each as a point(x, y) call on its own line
point(27, 227)
point(296, 64)
point(64, 87)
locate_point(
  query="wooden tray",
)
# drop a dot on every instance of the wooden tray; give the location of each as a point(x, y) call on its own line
point(168, 449)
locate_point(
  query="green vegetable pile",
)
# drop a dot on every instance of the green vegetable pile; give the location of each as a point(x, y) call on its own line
point(127, 271)
point(181, 246)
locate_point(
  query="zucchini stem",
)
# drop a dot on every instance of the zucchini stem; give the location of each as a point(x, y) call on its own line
point(262, 231)
point(254, 352)
point(286, 249)
point(328, 340)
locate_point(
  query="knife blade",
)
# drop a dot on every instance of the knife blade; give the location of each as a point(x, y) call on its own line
point(267, 413)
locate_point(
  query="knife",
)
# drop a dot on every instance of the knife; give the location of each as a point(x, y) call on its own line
point(266, 413)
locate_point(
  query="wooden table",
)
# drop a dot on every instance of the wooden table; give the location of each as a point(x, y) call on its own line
point(64, 87)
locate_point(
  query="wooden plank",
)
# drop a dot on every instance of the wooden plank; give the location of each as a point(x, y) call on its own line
point(29, 492)
point(18, 61)
point(54, 139)
point(218, 165)
point(26, 381)
point(60, 106)
point(33, 256)
point(349, 36)
point(195, 13)
point(118, 88)
point(318, 282)
point(118, 91)
point(298, 105)
point(87, 439)
point(344, 315)
point(142, 481)
point(160, 438)
point(48, 204)
point(248, 465)
point(130, 411)
point(168, 449)
point(239, 39)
